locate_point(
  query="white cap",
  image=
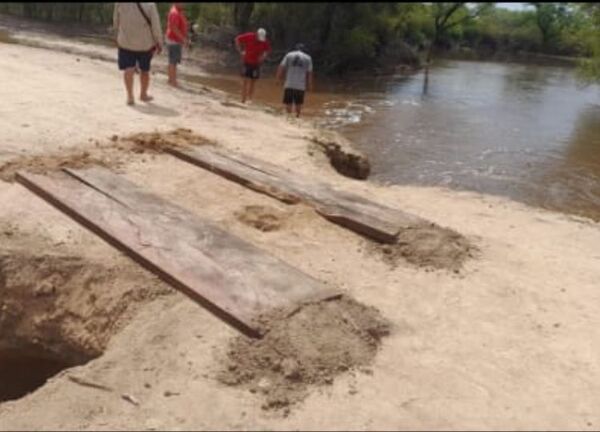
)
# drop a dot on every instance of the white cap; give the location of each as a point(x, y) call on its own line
point(261, 33)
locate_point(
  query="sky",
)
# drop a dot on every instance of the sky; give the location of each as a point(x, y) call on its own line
point(516, 6)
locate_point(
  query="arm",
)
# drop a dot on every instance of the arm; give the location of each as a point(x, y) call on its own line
point(279, 75)
point(309, 76)
point(265, 54)
point(179, 34)
point(281, 69)
point(173, 24)
point(238, 45)
point(115, 28)
point(156, 28)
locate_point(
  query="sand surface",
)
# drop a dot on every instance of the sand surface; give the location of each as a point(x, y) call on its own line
point(509, 342)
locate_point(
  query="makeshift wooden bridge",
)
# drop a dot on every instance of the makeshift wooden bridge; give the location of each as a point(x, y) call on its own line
point(230, 277)
point(352, 211)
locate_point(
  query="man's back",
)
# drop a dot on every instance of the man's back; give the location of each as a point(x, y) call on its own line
point(296, 64)
point(133, 31)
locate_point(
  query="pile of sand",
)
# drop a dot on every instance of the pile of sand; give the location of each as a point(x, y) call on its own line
point(44, 164)
point(308, 347)
point(159, 141)
point(114, 153)
point(429, 246)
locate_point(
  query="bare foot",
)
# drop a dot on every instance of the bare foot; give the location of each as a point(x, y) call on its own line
point(130, 102)
point(174, 84)
point(146, 98)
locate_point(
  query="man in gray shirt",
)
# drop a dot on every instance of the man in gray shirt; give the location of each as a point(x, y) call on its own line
point(298, 69)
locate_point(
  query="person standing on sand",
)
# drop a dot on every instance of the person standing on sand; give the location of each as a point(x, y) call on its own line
point(254, 48)
point(298, 69)
point(138, 38)
point(176, 37)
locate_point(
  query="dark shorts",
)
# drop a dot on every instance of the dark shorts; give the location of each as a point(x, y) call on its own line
point(174, 53)
point(130, 59)
point(251, 71)
point(293, 96)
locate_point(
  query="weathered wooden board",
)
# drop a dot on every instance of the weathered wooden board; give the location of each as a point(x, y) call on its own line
point(352, 211)
point(260, 177)
point(232, 278)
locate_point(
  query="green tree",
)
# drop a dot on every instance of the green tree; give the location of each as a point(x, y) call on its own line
point(449, 15)
point(589, 68)
point(550, 19)
point(242, 13)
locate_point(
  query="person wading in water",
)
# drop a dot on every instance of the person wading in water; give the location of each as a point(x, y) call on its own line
point(298, 69)
point(254, 48)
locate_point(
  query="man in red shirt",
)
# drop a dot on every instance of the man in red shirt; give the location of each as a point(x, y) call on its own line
point(176, 37)
point(254, 48)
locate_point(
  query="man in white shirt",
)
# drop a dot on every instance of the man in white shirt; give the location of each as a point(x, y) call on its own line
point(139, 37)
point(298, 69)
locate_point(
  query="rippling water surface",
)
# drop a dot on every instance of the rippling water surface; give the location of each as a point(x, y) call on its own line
point(528, 132)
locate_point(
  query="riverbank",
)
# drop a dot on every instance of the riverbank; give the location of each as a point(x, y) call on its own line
point(502, 344)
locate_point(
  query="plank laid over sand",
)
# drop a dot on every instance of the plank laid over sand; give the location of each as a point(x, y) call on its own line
point(352, 211)
point(230, 277)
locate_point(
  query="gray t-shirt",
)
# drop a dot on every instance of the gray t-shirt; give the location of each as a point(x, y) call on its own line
point(296, 64)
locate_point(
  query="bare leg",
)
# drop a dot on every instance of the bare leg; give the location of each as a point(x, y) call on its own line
point(173, 75)
point(145, 80)
point(245, 82)
point(288, 108)
point(251, 83)
point(298, 110)
point(128, 78)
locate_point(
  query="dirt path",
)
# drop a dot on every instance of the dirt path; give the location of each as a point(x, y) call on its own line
point(507, 343)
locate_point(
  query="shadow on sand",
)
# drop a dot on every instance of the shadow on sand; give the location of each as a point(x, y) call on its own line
point(154, 109)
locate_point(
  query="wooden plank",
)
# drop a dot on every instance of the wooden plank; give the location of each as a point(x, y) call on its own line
point(264, 181)
point(232, 278)
point(352, 211)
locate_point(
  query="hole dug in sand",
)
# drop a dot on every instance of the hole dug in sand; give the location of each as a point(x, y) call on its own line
point(23, 371)
point(56, 312)
point(263, 218)
point(308, 347)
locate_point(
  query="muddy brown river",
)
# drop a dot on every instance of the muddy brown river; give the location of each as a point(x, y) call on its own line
point(528, 132)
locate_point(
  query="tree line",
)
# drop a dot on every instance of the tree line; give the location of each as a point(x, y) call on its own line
point(357, 36)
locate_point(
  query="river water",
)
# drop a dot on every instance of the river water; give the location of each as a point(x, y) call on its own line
point(525, 131)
